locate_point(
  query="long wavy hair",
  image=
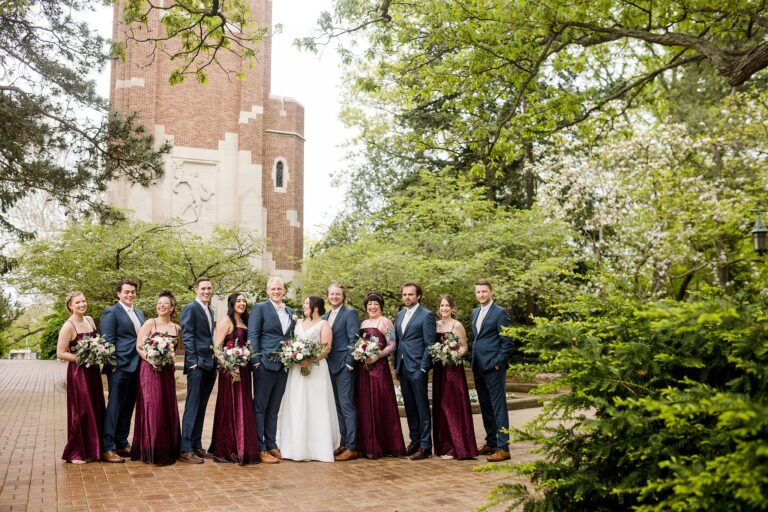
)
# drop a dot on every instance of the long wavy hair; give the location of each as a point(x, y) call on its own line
point(231, 300)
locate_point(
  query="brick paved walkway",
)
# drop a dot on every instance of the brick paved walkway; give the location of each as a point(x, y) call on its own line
point(33, 477)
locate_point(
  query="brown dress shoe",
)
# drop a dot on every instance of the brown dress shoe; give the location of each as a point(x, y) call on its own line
point(347, 455)
point(111, 456)
point(190, 458)
point(338, 451)
point(266, 458)
point(486, 450)
point(275, 453)
point(421, 454)
point(498, 456)
point(124, 452)
point(202, 453)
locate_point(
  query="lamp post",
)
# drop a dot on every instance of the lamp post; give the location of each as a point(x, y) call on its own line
point(760, 232)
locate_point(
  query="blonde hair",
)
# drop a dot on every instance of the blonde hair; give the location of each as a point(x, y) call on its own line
point(68, 299)
point(276, 280)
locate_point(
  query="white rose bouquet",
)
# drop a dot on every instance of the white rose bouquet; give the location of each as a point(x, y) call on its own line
point(446, 351)
point(161, 350)
point(94, 350)
point(365, 347)
point(235, 357)
point(296, 350)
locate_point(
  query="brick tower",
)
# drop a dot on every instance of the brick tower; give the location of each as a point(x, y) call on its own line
point(238, 151)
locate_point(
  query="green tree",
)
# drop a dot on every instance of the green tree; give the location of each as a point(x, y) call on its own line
point(667, 409)
point(475, 86)
point(91, 257)
point(445, 234)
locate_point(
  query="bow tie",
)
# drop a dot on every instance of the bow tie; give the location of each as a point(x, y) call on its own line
point(281, 306)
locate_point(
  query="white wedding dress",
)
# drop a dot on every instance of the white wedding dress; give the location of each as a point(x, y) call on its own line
point(308, 428)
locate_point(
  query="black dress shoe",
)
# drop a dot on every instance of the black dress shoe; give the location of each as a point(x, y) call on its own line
point(421, 453)
point(202, 453)
point(190, 458)
point(411, 450)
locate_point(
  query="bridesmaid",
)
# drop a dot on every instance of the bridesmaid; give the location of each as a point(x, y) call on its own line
point(452, 428)
point(234, 423)
point(379, 432)
point(156, 437)
point(85, 395)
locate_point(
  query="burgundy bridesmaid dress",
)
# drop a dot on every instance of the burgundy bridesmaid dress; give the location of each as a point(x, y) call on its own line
point(85, 409)
point(234, 423)
point(156, 430)
point(379, 433)
point(453, 431)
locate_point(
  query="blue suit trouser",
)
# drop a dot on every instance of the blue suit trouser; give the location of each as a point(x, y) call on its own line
point(268, 390)
point(120, 404)
point(344, 393)
point(492, 395)
point(199, 386)
point(416, 400)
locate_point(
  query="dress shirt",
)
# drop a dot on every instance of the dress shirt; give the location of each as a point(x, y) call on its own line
point(332, 316)
point(132, 316)
point(407, 318)
point(282, 314)
point(481, 316)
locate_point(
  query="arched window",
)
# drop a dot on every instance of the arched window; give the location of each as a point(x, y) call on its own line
point(279, 174)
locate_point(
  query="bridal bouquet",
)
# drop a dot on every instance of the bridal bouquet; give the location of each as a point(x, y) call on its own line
point(365, 347)
point(94, 350)
point(235, 357)
point(296, 350)
point(161, 350)
point(446, 351)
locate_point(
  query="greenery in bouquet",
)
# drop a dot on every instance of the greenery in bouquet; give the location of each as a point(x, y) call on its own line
point(446, 351)
point(296, 350)
point(365, 347)
point(94, 350)
point(161, 350)
point(235, 357)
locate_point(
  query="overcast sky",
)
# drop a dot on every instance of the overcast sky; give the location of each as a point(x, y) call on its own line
point(314, 81)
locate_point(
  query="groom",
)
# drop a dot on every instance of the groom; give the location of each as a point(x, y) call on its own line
point(120, 325)
point(415, 331)
point(270, 323)
point(345, 327)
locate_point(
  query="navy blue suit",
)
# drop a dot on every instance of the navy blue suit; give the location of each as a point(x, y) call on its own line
point(118, 329)
point(412, 365)
point(490, 351)
point(265, 332)
point(200, 370)
point(346, 327)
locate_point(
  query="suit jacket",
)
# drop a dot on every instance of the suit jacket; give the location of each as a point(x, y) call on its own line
point(345, 329)
point(265, 332)
point(117, 328)
point(490, 348)
point(413, 344)
point(198, 337)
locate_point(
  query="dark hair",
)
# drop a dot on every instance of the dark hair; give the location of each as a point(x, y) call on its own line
point(411, 283)
point(450, 301)
point(169, 295)
point(231, 300)
point(120, 283)
point(200, 280)
point(373, 297)
point(484, 282)
point(316, 303)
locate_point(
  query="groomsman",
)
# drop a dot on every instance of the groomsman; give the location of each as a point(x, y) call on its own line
point(345, 327)
point(119, 326)
point(197, 326)
point(269, 324)
point(415, 332)
point(489, 367)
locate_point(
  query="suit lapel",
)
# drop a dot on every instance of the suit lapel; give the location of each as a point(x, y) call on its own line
point(487, 319)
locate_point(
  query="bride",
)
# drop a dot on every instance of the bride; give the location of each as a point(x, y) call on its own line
point(308, 425)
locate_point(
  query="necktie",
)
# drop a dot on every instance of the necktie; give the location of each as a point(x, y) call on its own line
point(209, 316)
point(134, 319)
point(480, 318)
point(407, 318)
point(332, 317)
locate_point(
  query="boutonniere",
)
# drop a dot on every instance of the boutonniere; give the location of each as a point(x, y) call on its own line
point(295, 318)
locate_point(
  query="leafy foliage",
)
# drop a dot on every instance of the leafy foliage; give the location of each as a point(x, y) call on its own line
point(197, 34)
point(444, 234)
point(57, 135)
point(91, 257)
point(667, 409)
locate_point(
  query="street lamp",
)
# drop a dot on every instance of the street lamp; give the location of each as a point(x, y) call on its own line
point(760, 232)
